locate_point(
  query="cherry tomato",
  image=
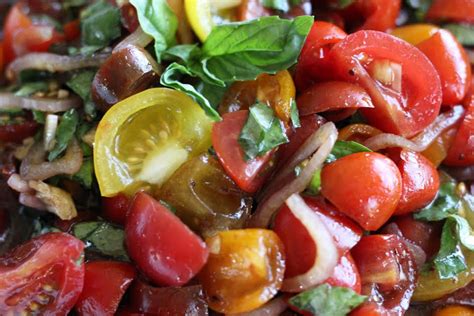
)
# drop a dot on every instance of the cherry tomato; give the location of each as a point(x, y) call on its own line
point(44, 276)
point(129, 17)
point(17, 132)
point(313, 64)
point(346, 274)
point(378, 15)
point(248, 175)
point(115, 208)
point(165, 249)
point(405, 102)
point(345, 181)
point(1, 58)
point(461, 152)
point(420, 180)
point(72, 30)
point(358, 132)
point(387, 270)
point(451, 10)
point(415, 33)
point(452, 63)
point(244, 271)
point(370, 309)
point(105, 282)
point(438, 150)
point(454, 310)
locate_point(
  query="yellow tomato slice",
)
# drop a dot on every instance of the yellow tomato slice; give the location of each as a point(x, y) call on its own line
point(143, 139)
point(415, 33)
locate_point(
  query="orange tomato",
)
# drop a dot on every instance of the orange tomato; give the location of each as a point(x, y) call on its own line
point(455, 310)
point(358, 132)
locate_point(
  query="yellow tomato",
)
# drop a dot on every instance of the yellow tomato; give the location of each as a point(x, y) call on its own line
point(358, 132)
point(245, 269)
point(415, 33)
point(454, 310)
point(143, 139)
point(438, 150)
point(278, 91)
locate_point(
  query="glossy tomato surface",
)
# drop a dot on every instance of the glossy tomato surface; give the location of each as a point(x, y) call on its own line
point(451, 10)
point(115, 208)
point(17, 132)
point(162, 247)
point(378, 15)
point(45, 275)
point(461, 152)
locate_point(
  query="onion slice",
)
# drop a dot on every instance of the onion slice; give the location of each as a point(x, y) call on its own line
point(286, 182)
point(137, 38)
point(10, 101)
point(327, 253)
point(273, 308)
point(421, 141)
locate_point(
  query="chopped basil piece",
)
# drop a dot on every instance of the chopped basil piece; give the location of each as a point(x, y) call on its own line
point(65, 132)
point(281, 5)
point(315, 184)
point(39, 116)
point(294, 115)
point(100, 24)
point(81, 84)
point(463, 32)
point(450, 260)
point(343, 148)
point(445, 204)
point(30, 88)
point(85, 175)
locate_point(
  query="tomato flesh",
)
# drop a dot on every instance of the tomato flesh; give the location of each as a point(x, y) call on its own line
point(461, 152)
point(451, 10)
point(115, 208)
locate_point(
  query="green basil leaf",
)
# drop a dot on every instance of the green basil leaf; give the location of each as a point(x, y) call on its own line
point(294, 115)
point(344, 148)
point(102, 237)
point(157, 20)
point(450, 260)
point(262, 132)
point(463, 32)
point(65, 132)
point(85, 175)
point(39, 116)
point(185, 53)
point(281, 5)
point(315, 184)
point(420, 7)
point(445, 204)
point(30, 88)
point(464, 231)
point(81, 84)
point(326, 300)
point(100, 24)
point(73, 3)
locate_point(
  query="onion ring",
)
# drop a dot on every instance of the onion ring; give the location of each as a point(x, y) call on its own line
point(51, 105)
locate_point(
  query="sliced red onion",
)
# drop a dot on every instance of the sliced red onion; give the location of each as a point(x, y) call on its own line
point(30, 200)
point(53, 63)
point(286, 182)
point(137, 38)
point(421, 141)
point(273, 308)
point(16, 183)
point(327, 254)
point(10, 101)
point(418, 253)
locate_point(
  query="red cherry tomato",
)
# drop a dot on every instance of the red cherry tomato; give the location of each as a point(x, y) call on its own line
point(452, 63)
point(313, 64)
point(1, 58)
point(420, 181)
point(405, 112)
point(346, 274)
point(378, 15)
point(370, 309)
point(461, 152)
point(299, 246)
point(16, 133)
point(115, 208)
point(105, 282)
point(251, 9)
point(129, 17)
point(364, 186)
point(72, 30)
point(43, 276)
point(388, 272)
point(165, 249)
point(451, 10)
point(248, 175)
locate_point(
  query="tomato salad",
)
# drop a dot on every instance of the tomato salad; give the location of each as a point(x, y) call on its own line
point(237, 157)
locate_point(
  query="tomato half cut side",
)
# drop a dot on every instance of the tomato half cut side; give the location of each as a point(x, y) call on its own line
point(45, 275)
point(394, 74)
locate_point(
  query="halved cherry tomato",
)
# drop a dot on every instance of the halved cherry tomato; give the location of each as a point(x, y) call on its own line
point(1, 59)
point(378, 15)
point(452, 63)
point(313, 64)
point(438, 150)
point(44, 276)
point(420, 180)
point(387, 270)
point(451, 10)
point(72, 30)
point(358, 132)
point(17, 132)
point(454, 310)
point(244, 271)
point(248, 175)
point(332, 95)
point(461, 152)
point(115, 208)
point(165, 249)
point(415, 33)
point(129, 17)
point(345, 183)
point(346, 274)
point(406, 103)
point(105, 283)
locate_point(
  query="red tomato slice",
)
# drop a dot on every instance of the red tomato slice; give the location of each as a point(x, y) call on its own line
point(346, 274)
point(406, 112)
point(313, 64)
point(332, 95)
point(248, 175)
point(16, 133)
point(365, 186)
point(461, 152)
point(420, 181)
point(115, 208)
point(105, 282)
point(378, 15)
point(452, 63)
point(44, 276)
point(165, 249)
point(451, 10)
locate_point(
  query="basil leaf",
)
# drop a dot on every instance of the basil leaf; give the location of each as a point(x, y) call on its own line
point(30, 88)
point(445, 204)
point(420, 7)
point(65, 132)
point(73, 3)
point(294, 115)
point(464, 231)
point(39, 116)
point(463, 32)
point(344, 148)
point(185, 53)
point(325, 300)
point(281, 5)
point(262, 132)
point(157, 20)
point(450, 260)
point(102, 237)
point(100, 24)
point(170, 78)
point(81, 84)
point(315, 184)
point(85, 175)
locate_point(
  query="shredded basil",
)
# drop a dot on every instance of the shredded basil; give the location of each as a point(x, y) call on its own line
point(463, 32)
point(343, 148)
point(294, 115)
point(81, 84)
point(445, 204)
point(65, 132)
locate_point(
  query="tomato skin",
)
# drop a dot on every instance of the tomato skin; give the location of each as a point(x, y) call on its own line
point(72, 30)
point(16, 133)
point(49, 265)
point(451, 10)
point(419, 102)
point(346, 274)
point(452, 63)
point(165, 249)
point(344, 182)
point(115, 208)
point(461, 152)
point(1, 58)
point(380, 15)
point(105, 282)
point(420, 181)
point(248, 175)
point(370, 309)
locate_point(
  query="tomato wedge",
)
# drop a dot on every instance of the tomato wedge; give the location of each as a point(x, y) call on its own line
point(461, 152)
point(43, 276)
point(406, 103)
